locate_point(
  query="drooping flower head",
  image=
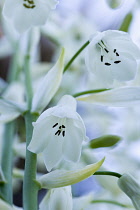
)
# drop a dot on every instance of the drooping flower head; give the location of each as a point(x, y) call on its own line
point(111, 55)
point(26, 13)
point(59, 133)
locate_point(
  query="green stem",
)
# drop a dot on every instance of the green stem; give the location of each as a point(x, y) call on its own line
point(6, 162)
point(111, 202)
point(110, 173)
point(30, 187)
point(75, 55)
point(89, 92)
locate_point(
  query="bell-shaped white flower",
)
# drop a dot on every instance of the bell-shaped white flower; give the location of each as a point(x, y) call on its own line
point(59, 198)
point(118, 97)
point(131, 188)
point(28, 12)
point(59, 132)
point(49, 85)
point(111, 55)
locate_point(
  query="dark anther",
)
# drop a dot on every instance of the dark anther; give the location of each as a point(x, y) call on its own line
point(63, 126)
point(117, 62)
point(60, 127)
point(101, 58)
point(117, 54)
point(58, 132)
point(107, 64)
point(55, 125)
point(106, 50)
point(114, 50)
point(63, 133)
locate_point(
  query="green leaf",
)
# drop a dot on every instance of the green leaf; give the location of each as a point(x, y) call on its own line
point(104, 141)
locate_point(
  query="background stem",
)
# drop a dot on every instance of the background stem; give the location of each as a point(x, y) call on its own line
point(6, 162)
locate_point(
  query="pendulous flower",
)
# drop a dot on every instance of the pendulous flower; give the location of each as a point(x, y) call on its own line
point(111, 55)
point(58, 133)
point(28, 12)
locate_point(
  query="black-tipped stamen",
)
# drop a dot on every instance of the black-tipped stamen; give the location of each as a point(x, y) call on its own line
point(107, 64)
point(117, 62)
point(101, 58)
point(63, 133)
point(115, 50)
point(106, 50)
point(55, 125)
point(58, 132)
point(63, 126)
point(117, 54)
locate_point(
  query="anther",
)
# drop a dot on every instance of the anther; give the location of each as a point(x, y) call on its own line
point(107, 64)
point(63, 126)
point(58, 132)
point(106, 50)
point(63, 133)
point(101, 58)
point(55, 125)
point(114, 50)
point(117, 54)
point(117, 62)
point(60, 127)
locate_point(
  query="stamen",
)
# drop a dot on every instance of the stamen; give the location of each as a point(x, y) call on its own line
point(107, 64)
point(117, 62)
point(29, 4)
point(106, 50)
point(101, 58)
point(114, 50)
point(58, 132)
point(55, 125)
point(117, 54)
point(63, 126)
point(63, 133)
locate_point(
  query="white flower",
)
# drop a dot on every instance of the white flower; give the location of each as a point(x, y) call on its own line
point(59, 198)
point(28, 12)
point(115, 3)
point(131, 188)
point(59, 132)
point(49, 85)
point(111, 55)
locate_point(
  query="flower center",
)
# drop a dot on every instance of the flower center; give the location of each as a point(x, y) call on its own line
point(61, 129)
point(107, 55)
point(29, 4)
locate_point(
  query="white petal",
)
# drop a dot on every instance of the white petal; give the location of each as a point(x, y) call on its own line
point(53, 152)
point(69, 101)
point(61, 178)
point(41, 135)
point(49, 85)
point(9, 110)
point(73, 142)
point(126, 69)
point(60, 199)
point(118, 97)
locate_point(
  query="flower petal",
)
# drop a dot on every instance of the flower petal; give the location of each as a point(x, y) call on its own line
point(41, 135)
point(61, 178)
point(9, 110)
point(119, 97)
point(53, 152)
point(126, 69)
point(73, 142)
point(49, 85)
point(57, 199)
